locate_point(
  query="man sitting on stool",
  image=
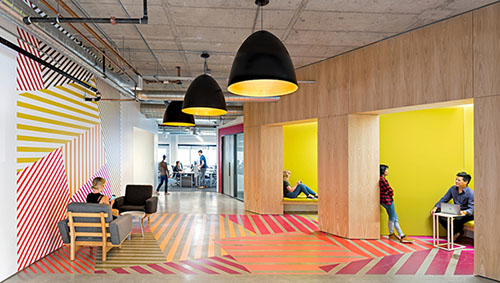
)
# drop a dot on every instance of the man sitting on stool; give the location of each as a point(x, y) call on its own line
point(462, 195)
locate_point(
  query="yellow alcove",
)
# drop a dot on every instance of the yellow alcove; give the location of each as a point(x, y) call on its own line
point(424, 150)
point(300, 153)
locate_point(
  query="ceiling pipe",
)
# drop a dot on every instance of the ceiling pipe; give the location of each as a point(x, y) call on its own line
point(99, 38)
point(179, 95)
point(161, 79)
point(93, 45)
point(50, 66)
point(157, 110)
point(14, 10)
point(76, 19)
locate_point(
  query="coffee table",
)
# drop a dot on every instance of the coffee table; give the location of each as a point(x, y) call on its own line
point(137, 214)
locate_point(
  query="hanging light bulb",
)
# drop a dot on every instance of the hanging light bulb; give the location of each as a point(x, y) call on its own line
point(262, 66)
point(204, 96)
point(175, 117)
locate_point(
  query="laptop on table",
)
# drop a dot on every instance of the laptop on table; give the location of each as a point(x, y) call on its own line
point(450, 208)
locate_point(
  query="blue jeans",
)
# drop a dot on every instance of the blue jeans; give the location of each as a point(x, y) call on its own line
point(163, 178)
point(393, 219)
point(301, 188)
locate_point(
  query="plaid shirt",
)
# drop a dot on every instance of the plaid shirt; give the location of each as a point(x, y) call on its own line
point(386, 192)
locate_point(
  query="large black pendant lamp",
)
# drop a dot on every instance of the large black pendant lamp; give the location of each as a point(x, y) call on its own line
point(262, 66)
point(204, 96)
point(175, 117)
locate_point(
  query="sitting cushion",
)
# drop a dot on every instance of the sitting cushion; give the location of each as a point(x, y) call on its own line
point(138, 194)
point(127, 207)
point(469, 224)
point(300, 198)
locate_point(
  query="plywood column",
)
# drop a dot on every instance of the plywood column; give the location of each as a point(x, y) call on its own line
point(348, 160)
point(487, 184)
point(263, 169)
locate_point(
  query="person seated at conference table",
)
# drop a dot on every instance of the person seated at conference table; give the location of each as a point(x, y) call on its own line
point(178, 167)
point(177, 170)
point(293, 192)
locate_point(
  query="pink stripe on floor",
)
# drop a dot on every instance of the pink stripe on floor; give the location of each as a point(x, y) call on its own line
point(465, 265)
point(307, 222)
point(141, 270)
point(120, 271)
point(199, 267)
point(327, 268)
point(413, 263)
point(296, 223)
point(439, 263)
point(218, 266)
point(180, 268)
point(100, 272)
point(233, 218)
point(283, 223)
point(258, 222)
point(272, 224)
point(246, 223)
point(231, 263)
point(160, 269)
point(385, 264)
point(354, 267)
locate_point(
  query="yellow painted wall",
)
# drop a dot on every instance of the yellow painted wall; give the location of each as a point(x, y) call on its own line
point(300, 153)
point(424, 150)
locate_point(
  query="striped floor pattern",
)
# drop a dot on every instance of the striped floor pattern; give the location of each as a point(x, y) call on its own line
point(258, 244)
point(425, 262)
point(183, 236)
point(270, 224)
point(136, 251)
point(291, 253)
point(59, 262)
point(212, 265)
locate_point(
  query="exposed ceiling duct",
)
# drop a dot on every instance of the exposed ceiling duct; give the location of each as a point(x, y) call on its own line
point(111, 20)
point(179, 95)
point(156, 111)
point(15, 10)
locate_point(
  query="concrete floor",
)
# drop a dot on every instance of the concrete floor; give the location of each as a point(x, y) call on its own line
point(213, 203)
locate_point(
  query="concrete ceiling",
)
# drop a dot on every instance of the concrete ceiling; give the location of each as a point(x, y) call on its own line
point(312, 30)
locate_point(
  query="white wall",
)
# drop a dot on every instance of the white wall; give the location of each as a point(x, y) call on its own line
point(144, 157)
point(8, 255)
point(131, 117)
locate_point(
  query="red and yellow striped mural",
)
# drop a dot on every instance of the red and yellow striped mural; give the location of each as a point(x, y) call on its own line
point(42, 197)
point(60, 149)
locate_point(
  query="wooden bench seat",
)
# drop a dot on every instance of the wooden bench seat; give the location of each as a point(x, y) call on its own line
point(300, 203)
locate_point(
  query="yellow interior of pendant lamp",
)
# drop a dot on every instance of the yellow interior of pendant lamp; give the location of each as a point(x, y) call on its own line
point(263, 88)
point(180, 124)
point(204, 111)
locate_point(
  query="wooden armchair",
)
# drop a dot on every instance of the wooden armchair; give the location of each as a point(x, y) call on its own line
point(91, 224)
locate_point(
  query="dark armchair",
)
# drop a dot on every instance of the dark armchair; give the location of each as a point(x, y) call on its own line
point(137, 198)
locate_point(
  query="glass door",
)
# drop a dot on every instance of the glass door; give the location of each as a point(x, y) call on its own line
point(239, 166)
point(228, 165)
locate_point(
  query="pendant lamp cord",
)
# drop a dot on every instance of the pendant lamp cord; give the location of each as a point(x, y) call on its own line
point(261, 18)
point(205, 67)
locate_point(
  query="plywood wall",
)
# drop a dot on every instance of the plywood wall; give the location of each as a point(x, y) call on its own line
point(486, 43)
point(448, 61)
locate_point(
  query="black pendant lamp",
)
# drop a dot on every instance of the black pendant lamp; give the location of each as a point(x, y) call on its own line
point(204, 96)
point(175, 117)
point(262, 66)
